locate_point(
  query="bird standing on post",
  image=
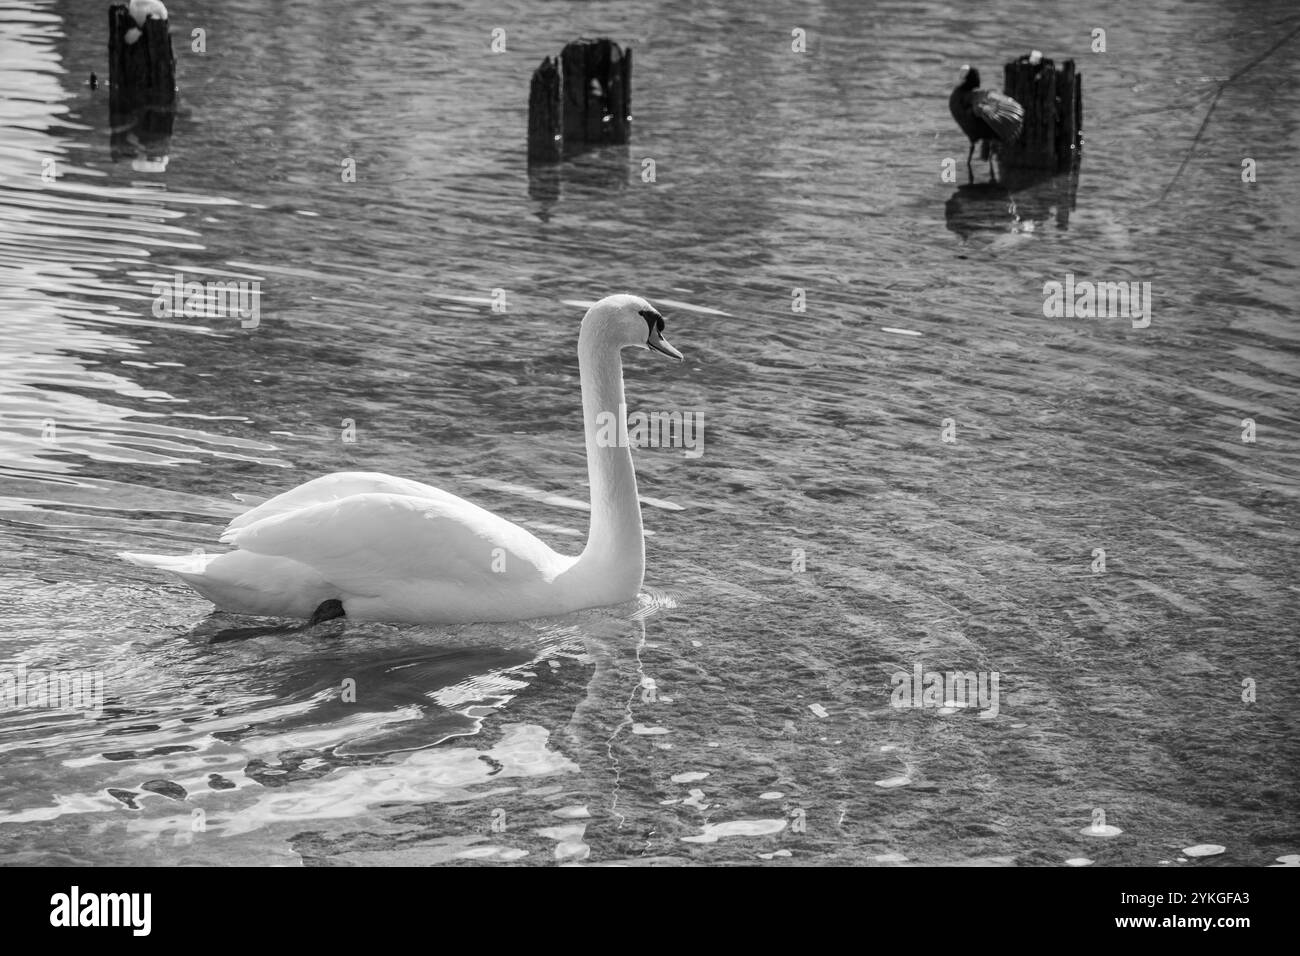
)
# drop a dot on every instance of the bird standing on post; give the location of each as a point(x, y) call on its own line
point(984, 115)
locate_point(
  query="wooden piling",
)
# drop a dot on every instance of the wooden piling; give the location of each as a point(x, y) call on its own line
point(1052, 98)
point(546, 114)
point(143, 72)
point(580, 99)
point(141, 88)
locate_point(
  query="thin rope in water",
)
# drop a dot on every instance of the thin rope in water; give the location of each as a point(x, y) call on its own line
point(1215, 102)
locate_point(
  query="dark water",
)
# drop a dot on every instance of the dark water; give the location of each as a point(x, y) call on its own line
point(1121, 691)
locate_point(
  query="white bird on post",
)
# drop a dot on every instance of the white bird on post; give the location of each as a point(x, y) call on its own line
point(140, 11)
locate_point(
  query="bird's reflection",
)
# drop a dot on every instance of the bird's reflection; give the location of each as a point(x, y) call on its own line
point(351, 675)
point(246, 735)
point(1018, 200)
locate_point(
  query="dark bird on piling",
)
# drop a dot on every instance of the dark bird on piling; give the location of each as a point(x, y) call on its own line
point(985, 116)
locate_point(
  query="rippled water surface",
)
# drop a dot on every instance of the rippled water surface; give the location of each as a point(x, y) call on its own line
point(827, 538)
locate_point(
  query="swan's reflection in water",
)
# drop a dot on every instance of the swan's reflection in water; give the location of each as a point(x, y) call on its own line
point(329, 729)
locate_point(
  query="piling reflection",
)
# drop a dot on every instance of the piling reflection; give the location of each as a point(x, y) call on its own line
point(1018, 200)
point(599, 171)
point(142, 136)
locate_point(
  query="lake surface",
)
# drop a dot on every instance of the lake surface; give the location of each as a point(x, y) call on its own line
point(920, 472)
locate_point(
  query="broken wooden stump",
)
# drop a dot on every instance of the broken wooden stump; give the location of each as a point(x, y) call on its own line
point(1052, 137)
point(141, 87)
point(143, 71)
point(546, 114)
point(579, 100)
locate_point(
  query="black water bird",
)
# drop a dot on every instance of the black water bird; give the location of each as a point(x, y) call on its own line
point(985, 116)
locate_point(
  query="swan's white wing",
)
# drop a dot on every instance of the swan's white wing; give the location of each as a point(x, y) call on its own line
point(370, 545)
point(342, 484)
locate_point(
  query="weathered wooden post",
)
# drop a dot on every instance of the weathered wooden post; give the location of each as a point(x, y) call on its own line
point(143, 71)
point(1052, 98)
point(580, 99)
point(546, 114)
point(142, 84)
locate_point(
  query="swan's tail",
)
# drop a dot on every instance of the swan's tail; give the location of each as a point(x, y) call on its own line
point(182, 564)
point(245, 582)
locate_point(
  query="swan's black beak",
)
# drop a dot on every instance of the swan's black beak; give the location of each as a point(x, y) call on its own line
point(656, 338)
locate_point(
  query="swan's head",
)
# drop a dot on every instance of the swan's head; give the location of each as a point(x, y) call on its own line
point(968, 78)
point(628, 321)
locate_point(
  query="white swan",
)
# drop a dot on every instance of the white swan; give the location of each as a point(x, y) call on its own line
point(390, 549)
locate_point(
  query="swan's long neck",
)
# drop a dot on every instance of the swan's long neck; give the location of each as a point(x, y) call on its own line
point(615, 552)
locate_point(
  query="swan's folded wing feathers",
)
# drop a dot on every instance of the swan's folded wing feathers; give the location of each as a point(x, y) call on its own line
point(365, 542)
point(335, 487)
